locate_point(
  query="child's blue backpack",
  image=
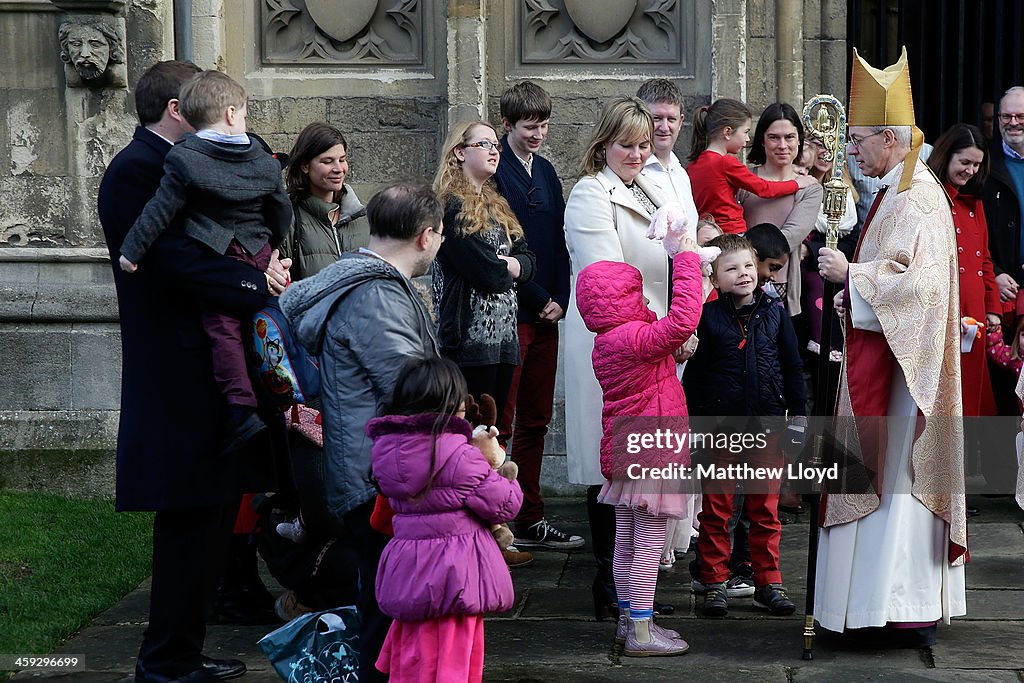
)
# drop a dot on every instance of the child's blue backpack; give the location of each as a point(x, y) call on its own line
point(286, 373)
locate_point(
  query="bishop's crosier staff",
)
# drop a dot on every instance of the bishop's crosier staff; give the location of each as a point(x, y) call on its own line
point(824, 119)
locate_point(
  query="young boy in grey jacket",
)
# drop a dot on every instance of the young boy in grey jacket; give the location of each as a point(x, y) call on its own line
point(223, 188)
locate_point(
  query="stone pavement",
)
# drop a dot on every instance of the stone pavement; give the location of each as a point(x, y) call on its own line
point(551, 634)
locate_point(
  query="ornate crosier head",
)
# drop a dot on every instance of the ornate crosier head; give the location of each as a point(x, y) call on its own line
point(825, 120)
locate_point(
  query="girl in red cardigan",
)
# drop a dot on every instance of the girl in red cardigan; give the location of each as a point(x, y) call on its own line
point(719, 132)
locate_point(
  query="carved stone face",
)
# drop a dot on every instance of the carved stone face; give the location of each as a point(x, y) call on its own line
point(88, 50)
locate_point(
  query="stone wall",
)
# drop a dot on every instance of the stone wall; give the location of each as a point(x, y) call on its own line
point(60, 383)
point(391, 74)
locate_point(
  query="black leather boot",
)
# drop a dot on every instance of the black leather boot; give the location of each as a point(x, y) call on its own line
point(241, 596)
point(602, 534)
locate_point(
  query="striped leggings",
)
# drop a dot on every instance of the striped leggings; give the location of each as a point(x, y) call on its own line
point(639, 539)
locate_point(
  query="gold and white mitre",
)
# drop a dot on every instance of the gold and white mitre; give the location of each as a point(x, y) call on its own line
point(881, 97)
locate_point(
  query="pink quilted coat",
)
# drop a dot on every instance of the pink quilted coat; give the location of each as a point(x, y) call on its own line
point(633, 349)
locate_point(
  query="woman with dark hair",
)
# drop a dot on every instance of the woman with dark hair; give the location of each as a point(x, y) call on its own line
point(960, 162)
point(329, 218)
point(778, 143)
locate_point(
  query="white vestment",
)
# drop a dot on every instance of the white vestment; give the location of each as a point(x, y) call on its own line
point(890, 565)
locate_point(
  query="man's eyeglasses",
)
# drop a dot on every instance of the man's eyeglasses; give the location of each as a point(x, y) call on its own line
point(432, 228)
point(857, 141)
point(1007, 118)
point(485, 145)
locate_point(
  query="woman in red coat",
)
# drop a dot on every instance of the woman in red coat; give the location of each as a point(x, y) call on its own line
point(960, 161)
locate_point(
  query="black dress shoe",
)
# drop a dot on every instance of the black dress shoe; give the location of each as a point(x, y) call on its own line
point(223, 669)
point(198, 676)
point(663, 609)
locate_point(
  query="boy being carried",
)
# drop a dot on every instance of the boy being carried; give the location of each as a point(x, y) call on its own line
point(225, 187)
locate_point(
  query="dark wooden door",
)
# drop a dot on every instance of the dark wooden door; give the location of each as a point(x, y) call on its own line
point(962, 52)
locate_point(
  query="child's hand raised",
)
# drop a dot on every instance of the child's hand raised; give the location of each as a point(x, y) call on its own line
point(687, 244)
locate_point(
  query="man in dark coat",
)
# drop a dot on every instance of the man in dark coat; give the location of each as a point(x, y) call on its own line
point(171, 410)
point(1002, 196)
point(1004, 212)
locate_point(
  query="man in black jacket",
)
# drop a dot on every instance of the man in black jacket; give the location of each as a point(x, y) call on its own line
point(172, 413)
point(1003, 196)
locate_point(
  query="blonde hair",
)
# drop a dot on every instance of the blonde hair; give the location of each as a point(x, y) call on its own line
point(708, 221)
point(731, 243)
point(479, 209)
point(624, 118)
point(205, 97)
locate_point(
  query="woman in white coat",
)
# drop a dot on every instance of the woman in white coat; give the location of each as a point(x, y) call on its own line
point(606, 219)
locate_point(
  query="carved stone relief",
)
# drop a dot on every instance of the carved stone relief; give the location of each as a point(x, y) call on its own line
point(93, 53)
point(366, 32)
point(601, 31)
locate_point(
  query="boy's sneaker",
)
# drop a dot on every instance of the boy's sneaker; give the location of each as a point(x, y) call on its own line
point(735, 587)
point(293, 530)
point(774, 599)
point(716, 601)
point(543, 535)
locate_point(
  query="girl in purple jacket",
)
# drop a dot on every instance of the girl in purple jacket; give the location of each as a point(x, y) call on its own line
point(634, 364)
point(442, 570)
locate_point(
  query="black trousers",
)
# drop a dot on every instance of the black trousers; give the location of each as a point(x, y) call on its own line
point(188, 554)
point(373, 626)
point(495, 380)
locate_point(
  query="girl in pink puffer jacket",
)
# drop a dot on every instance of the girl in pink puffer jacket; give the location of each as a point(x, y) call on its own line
point(633, 361)
point(442, 570)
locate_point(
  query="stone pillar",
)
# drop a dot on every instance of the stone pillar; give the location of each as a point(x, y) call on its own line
point(789, 52)
point(208, 34)
point(834, 50)
point(729, 49)
point(467, 48)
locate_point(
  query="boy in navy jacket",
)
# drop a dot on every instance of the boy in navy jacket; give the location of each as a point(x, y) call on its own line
point(530, 184)
point(748, 364)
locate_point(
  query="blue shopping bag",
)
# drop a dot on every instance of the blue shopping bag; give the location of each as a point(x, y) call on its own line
point(320, 647)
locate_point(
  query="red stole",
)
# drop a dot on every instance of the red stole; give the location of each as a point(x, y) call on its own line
point(870, 378)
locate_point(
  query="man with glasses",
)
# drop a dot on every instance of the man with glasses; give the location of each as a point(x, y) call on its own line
point(363, 317)
point(1003, 190)
point(1004, 212)
point(867, 187)
point(891, 553)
